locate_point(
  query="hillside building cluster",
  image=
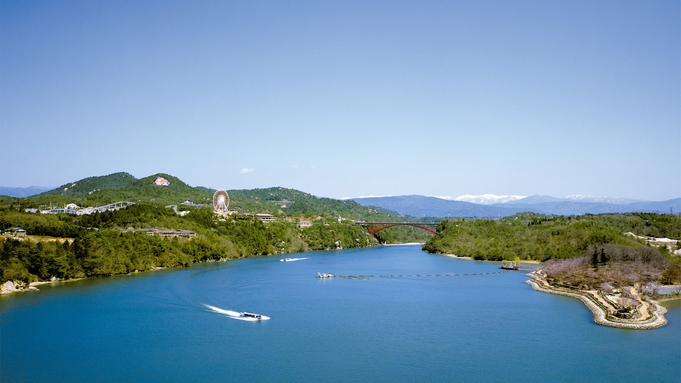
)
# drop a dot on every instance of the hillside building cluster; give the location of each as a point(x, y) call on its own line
point(74, 209)
point(15, 232)
point(167, 232)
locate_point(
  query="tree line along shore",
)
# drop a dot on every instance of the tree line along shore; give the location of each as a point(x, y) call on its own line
point(62, 247)
point(578, 250)
point(102, 244)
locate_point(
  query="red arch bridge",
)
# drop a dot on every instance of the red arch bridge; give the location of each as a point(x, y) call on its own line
point(375, 227)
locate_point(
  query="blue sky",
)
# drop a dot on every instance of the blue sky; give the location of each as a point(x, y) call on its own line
point(347, 98)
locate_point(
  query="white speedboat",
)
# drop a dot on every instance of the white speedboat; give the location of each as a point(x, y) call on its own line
point(250, 315)
point(245, 316)
point(325, 275)
point(286, 260)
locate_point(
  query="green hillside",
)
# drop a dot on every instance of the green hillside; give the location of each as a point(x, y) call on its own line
point(68, 246)
point(115, 187)
point(111, 243)
point(87, 186)
point(283, 201)
point(278, 201)
point(538, 237)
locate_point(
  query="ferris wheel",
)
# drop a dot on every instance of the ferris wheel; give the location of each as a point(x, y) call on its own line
point(221, 201)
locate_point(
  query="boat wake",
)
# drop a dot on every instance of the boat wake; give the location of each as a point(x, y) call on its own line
point(291, 259)
point(236, 315)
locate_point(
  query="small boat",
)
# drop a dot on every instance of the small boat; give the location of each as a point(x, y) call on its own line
point(250, 315)
point(286, 260)
point(509, 266)
point(325, 275)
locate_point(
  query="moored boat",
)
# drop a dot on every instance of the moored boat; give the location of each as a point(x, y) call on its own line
point(509, 265)
point(325, 275)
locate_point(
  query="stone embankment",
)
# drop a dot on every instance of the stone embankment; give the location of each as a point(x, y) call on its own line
point(601, 313)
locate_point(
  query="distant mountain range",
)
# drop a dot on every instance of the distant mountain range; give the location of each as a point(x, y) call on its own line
point(422, 206)
point(491, 199)
point(23, 192)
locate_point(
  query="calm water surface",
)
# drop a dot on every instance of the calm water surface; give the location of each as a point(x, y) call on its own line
point(485, 327)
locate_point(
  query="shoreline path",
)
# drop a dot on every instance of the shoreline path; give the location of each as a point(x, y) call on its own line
point(600, 313)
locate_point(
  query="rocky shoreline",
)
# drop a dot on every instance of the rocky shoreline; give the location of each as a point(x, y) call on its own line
point(652, 313)
point(11, 287)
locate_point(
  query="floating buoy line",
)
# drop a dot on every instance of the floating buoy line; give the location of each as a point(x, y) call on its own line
point(364, 277)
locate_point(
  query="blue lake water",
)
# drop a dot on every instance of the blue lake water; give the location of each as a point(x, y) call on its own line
point(472, 328)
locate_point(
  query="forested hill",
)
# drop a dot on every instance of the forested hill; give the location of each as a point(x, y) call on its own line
point(115, 242)
point(65, 246)
point(537, 237)
point(279, 201)
point(122, 187)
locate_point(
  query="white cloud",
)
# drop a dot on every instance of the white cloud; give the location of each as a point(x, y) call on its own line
point(246, 170)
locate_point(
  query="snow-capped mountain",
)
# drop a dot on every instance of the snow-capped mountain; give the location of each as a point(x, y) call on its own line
point(491, 199)
point(485, 199)
point(593, 198)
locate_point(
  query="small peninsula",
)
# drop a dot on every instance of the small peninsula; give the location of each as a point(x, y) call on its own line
point(605, 306)
point(618, 284)
point(620, 276)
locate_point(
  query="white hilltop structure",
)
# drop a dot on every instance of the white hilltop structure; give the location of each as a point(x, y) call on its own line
point(221, 202)
point(160, 181)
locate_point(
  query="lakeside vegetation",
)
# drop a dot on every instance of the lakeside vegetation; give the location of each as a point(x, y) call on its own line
point(619, 258)
point(614, 266)
point(537, 237)
point(109, 243)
